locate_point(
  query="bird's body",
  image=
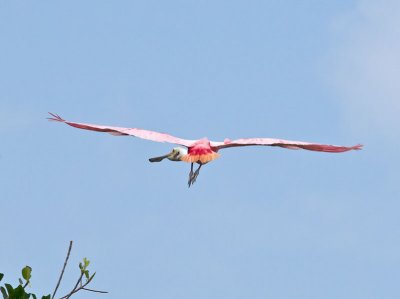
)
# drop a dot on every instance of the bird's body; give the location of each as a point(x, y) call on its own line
point(202, 151)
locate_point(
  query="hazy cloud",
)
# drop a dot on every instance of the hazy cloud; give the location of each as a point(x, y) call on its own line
point(365, 65)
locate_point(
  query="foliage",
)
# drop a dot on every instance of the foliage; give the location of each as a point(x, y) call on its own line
point(19, 292)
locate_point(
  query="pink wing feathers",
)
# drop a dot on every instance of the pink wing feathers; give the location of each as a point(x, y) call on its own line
point(117, 131)
point(161, 137)
point(284, 143)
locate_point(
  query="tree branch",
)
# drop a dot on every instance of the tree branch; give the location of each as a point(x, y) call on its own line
point(96, 291)
point(62, 271)
point(27, 282)
point(75, 289)
point(83, 287)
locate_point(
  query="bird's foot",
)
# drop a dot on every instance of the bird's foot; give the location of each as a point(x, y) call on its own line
point(195, 175)
point(190, 181)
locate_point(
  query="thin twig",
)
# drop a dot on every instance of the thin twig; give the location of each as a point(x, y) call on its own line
point(75, 289)
point(96, 291)
point(62, 271)
point(26, 284)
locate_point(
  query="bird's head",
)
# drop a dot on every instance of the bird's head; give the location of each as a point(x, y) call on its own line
point(176, 155)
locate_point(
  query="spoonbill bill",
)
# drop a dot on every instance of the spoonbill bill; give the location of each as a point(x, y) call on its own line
point(202, 151)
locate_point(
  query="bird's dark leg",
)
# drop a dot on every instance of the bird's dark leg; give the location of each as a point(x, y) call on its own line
point(196, 174)
point(190, 175)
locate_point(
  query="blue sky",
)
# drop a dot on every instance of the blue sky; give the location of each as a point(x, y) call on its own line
point(259, 222)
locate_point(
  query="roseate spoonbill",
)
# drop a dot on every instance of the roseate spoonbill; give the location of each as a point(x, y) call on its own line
point(203, 150)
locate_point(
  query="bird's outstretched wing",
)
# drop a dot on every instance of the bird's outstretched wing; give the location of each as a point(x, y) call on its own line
point(284, 143)
point(117, 131)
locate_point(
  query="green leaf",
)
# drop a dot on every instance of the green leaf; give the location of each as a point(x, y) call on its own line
point(86, 262)
point(46, 297)
point(1, 276)
point(83, 266)
point(19, 292)
point(26, 273)
point(4, 292)
point(10, 290)
point(87, 274)
point(34, 296)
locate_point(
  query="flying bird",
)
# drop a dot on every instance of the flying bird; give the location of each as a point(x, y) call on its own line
point(202, 151)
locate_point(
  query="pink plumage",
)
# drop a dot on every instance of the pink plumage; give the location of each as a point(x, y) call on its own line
point(117, 131)
point(203, 151)
point(285, 144)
